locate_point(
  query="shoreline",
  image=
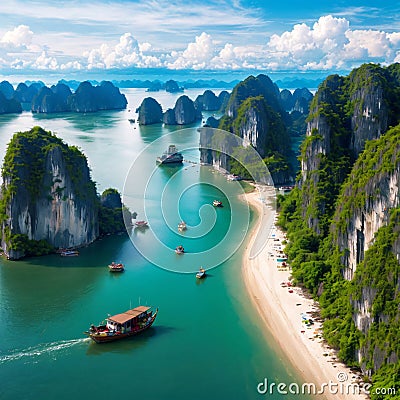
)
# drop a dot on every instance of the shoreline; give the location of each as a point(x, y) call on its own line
point(283, 312)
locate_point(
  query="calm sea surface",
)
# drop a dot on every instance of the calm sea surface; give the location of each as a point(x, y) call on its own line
point(207, 341)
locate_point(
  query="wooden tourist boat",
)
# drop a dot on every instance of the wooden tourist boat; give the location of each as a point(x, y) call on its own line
point(124, 325)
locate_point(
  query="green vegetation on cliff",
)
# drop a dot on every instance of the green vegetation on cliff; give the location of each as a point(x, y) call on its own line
point(345, 113)
point(48, 198)
point(254, 113)
point(317, 262)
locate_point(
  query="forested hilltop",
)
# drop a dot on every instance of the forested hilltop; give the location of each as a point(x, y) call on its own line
point(267, 119)
point(343, 218)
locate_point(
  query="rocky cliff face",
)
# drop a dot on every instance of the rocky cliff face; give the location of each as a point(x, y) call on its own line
point(372, 190)
point(89, 98)
point(254, 113)
point(51, 100)
point(169, 117)
point(345, 113)
point(8, 106)
point(253, 87)
point(7, 89)
point(208, 101)
point(150, 112)
point(25, 94)
point(47, 194)
point(185, 111)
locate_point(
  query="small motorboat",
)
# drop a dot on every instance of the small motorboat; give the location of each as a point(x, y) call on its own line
point(116, 267)
point(217, 203)
point(69, 253)
point(182, 226)
point(201, 274)
point(179, 250)
point(141, 224)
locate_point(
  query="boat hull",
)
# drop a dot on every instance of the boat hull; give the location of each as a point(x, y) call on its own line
point(171, 161)
point(107, 337)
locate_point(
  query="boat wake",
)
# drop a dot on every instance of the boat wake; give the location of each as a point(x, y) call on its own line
point(40, 350)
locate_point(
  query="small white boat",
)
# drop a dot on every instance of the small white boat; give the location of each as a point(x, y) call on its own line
point(201, 274)
point(69, 253)
point(182, 226)
point(217, 203)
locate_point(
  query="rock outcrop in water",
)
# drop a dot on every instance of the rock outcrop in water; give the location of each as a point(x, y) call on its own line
point(52, 100)
point(25, 94)
point(48, 199)
point(9, 106)
point(298, 101)
point(150, 112)
point(208, 101)
point(184, 112)
point(113, 215)
point(7, 89)
point(254, 112)
point(89, 98)
point(172, 86)
point(47, 195)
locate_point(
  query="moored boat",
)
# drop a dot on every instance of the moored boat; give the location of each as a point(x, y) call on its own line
point(179, 250)
point(217, 203)
point(171, 156)
point(69, 253)
point(120, 326)
point(141, 224)
point(116, 267)
point(201, 274)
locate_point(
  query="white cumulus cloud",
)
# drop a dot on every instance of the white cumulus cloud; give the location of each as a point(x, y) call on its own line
point(126, 53)
point(19, 36)
point(197, 55)
point(331, 44)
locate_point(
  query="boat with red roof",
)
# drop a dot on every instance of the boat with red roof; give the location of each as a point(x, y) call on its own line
point(123, 325)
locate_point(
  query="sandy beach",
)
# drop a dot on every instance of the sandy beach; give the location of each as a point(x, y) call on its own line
point(284, 310)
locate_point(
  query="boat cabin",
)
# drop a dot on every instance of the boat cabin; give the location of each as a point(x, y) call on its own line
point(129, 321)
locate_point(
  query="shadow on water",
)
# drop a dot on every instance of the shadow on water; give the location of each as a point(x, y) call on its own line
point(107, 248)
point(128, 345)
point(86, 122)
point(170, 170)
point(150, 133)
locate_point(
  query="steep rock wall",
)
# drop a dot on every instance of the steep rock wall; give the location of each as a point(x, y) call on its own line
point(48, 196)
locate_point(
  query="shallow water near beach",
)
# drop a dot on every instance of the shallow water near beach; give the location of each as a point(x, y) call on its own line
point(207, 341)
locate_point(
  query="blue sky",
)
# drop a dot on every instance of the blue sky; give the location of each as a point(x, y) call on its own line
point(40, 38)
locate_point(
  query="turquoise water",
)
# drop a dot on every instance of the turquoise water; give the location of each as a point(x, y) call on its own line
point(207, 341)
